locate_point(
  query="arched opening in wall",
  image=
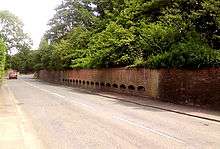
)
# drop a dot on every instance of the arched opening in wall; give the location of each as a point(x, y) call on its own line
point(71, 80)
point(123, 87)
point(87, 82)
point(115, 85)
point(108, 85)
point(141, 88)
point(80, 82)
point(77, 81)
point(92, 83)
point(84, 82)
point(97, 84)
point(102, 84)
point(63, 80)
point(74, 81)
point(131, 87)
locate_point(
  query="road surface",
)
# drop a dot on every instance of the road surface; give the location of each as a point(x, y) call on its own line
point(67, 118)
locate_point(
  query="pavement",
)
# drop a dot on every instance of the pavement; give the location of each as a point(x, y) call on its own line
point(16, 131)
point(43, 115)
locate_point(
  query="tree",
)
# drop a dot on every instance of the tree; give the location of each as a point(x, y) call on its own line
point(23, 61)
point(11, 31)
point(70, 14)
point(133, 33)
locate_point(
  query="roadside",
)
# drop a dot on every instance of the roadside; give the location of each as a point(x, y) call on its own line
point(15, 129)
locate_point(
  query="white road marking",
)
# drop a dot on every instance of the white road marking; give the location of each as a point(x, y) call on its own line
point(52, 93)
point(85, 105)
point(58, 95)
point(61, 96)
point(149, 129)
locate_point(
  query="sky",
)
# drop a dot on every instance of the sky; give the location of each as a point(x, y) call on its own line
point(35, 15)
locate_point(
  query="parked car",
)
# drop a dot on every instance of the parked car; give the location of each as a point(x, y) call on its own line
point(13, 75)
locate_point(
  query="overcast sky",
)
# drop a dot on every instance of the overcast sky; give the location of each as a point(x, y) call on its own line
point(35, 15)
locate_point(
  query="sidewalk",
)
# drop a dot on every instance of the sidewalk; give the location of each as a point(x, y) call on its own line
point(15, 130)
point(10, 133)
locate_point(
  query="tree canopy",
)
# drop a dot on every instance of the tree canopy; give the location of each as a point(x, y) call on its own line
point(11, 31)
point(132, 33)
point(12, 34)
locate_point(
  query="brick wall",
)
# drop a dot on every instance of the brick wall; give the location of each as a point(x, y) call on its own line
point(133, 81)
point(50, 76)
point(195, 87)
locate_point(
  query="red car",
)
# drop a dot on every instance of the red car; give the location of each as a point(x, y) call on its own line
point(13, 75)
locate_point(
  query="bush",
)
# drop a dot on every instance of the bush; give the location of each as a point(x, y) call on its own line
point(156, 38)
point(191, 52)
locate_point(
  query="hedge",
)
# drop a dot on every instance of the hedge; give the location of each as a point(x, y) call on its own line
point(2, 58)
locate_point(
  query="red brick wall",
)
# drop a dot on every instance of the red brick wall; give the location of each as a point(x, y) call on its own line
point(200, 87)
point(50, 76)
point(140, 79)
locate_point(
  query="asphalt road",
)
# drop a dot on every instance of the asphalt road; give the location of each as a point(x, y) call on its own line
point(67, 118)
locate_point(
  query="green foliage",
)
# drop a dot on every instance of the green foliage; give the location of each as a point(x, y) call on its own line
point(191, 52)
point(71, 14)
point(156, 37)
point(62, 54)
point(2, 58)
point(22, 61)
point(132, 33)
point(11, 31)
point(110, 48)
